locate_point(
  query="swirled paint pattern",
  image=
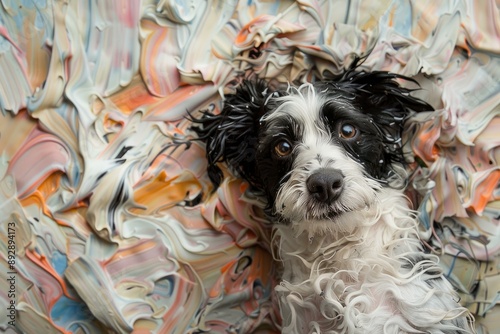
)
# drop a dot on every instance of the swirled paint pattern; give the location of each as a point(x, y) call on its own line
point(115, 224)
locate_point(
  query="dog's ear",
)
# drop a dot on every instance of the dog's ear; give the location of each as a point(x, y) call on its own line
point(389, 104)
point(232, 135)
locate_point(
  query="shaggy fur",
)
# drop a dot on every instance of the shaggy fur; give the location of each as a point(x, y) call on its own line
point(327, 157)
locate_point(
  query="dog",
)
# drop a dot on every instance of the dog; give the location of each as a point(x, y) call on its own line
point(328, 159)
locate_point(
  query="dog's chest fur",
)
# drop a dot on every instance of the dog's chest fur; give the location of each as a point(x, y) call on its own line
point(369, 280)
point(381, 234)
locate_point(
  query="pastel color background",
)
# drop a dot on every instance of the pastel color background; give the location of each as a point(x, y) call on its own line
point(115, 227)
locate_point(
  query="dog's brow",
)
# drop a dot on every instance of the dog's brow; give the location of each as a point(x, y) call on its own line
point(337, 108)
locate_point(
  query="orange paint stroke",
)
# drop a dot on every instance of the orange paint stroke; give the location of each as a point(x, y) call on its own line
point(46, 189)
point(183, 98)
point(163, 192)
point(484, 192)
point(247, 29)
point(112, 125)
point(133, 96)
point(42, 262)
point(427, 150)
point(138, 248)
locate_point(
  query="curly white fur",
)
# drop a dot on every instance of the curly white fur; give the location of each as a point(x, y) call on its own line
point(357, 282)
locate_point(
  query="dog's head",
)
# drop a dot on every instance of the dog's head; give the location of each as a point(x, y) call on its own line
point(320, 151)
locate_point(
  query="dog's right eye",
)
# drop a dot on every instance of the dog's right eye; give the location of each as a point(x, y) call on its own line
point(283, 148)
point(347, 131)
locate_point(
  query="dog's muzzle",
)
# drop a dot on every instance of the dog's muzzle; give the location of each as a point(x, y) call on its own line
point(325, 185)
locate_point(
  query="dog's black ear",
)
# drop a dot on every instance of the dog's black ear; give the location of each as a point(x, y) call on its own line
point(389, 104)
point(232, 135)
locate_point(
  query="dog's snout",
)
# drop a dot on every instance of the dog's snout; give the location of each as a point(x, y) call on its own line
point(326, 184)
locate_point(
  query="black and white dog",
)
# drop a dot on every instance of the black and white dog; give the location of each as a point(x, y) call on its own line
point(328, 159)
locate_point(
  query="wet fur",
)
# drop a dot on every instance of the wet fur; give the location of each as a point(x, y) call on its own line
point(353, 264)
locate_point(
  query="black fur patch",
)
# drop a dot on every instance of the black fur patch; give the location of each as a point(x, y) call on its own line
point(274, 170)
point(232, 135)
point(386, 103)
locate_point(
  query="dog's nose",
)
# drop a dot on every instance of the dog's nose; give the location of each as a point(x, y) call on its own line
point(326, 184)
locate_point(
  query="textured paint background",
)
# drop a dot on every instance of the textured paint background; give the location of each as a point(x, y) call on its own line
point(114, 226)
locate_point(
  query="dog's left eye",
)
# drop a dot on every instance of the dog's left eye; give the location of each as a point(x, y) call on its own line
point(347, 131)
point(283, 148)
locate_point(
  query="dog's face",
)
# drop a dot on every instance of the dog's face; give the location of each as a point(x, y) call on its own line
point(318, 155)
point(320, 152)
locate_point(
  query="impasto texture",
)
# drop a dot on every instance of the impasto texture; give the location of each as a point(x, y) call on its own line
point(108, 222)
